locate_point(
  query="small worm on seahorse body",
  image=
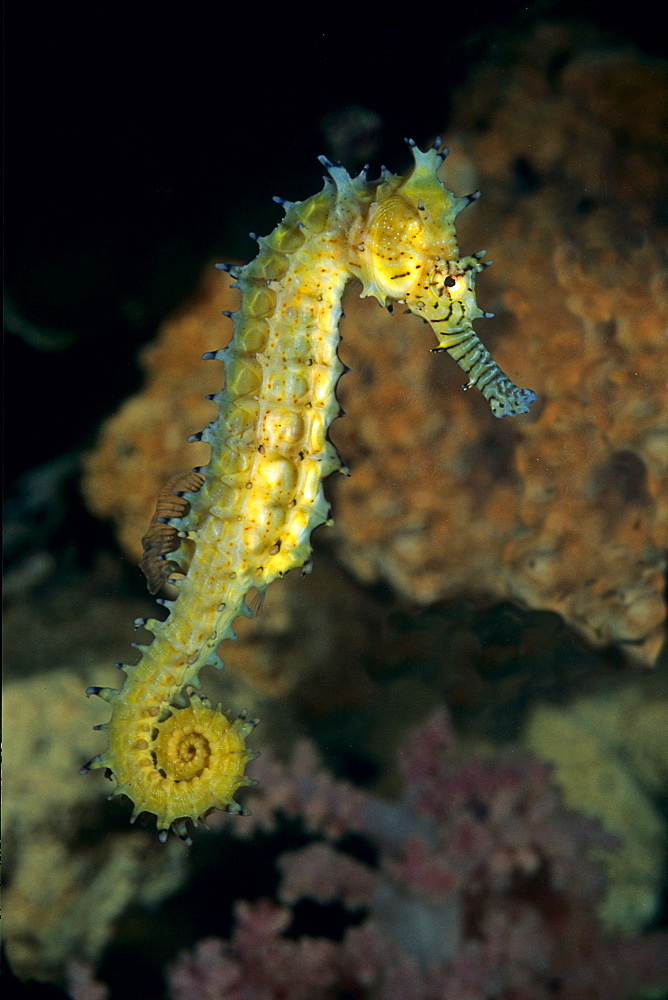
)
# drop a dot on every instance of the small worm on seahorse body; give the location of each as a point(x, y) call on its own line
point(247, 517)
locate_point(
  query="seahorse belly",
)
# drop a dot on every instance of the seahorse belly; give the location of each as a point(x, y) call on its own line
point(261, 495)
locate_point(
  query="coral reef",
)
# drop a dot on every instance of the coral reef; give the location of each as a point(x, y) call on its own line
point(610, 758)
point(478, 883)
point(66, 885)
point(566, 511)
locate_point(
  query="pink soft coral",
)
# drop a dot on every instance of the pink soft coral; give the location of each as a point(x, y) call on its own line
point(483, 887)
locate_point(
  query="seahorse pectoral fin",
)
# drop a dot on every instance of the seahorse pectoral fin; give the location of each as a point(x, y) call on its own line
point(163, 537)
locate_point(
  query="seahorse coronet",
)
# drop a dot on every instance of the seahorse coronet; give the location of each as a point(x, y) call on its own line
point(247, 517)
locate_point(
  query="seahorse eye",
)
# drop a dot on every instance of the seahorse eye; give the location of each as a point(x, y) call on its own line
point(456, 286)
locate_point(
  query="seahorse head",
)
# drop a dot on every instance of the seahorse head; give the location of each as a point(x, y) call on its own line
point(408, 249)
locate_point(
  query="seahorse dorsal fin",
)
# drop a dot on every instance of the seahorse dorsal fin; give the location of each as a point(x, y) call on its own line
point(162, 538)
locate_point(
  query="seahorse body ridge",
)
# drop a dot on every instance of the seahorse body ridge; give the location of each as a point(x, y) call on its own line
point(247, 517)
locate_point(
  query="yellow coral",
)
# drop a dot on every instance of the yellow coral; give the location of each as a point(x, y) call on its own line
point(62, 894)
point(610, 759)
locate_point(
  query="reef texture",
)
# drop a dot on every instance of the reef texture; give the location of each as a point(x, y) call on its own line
point(566, 509)
point(476, 883)
point(66, 882)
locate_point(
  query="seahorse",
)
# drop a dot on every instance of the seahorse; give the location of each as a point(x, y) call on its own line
point(247, 517)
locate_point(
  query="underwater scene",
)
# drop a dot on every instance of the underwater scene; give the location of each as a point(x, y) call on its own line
point(415, 505)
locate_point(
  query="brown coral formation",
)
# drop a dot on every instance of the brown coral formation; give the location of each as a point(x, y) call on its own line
point(565, 509)
point(582, 257)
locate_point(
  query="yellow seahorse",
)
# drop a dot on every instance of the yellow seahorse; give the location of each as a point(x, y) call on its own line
point(247, 517)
